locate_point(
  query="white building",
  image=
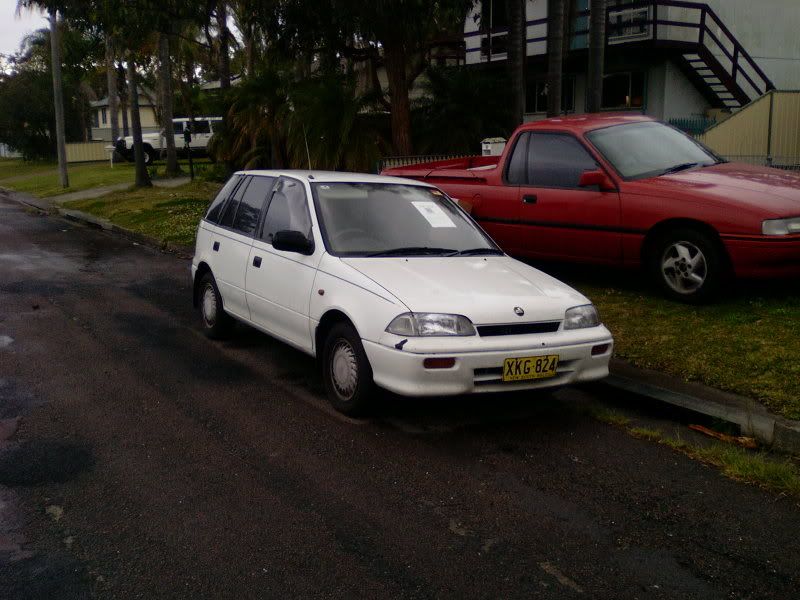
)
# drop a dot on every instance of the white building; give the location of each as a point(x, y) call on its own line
point(670, 59)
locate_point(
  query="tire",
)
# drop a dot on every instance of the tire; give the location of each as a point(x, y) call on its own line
point(688, 265)
point(149, 156)
point(216, 322)
point(346, 372)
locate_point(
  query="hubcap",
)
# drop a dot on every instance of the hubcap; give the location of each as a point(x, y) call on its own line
point(344, 369)
point(684, 267)
point(209, 306)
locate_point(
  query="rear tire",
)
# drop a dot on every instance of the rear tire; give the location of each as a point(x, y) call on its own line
point(149, 156)
point(688, 265)
point(216, 322)
point(346, 371)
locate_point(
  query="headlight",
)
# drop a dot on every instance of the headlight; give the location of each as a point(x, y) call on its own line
point(579, 317)
point(430, 324)
point(781, 226)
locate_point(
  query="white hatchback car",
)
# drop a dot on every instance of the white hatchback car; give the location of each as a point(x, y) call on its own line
point(387, 281)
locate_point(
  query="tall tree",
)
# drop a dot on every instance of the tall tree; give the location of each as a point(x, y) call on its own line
point(223, 41)
point(165, 79)
point(142, 177)
point(597, 47)
point(517, 46)
point(113, 93)
point(555, 55)
point(58, 98)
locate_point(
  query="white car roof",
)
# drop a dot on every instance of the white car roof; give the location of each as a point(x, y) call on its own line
point(313, 176)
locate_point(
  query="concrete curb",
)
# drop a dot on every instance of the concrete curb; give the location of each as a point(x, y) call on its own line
point(752, 417)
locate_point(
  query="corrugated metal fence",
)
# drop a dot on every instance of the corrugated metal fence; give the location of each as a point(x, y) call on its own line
point(765, 132)
point(87, 152)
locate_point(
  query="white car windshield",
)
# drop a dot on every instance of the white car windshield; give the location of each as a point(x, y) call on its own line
point(387, 219)
point(649, 149)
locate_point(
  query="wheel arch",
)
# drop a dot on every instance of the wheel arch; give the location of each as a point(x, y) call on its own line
point(657, 230)
point(330, 318)
point(202, 269)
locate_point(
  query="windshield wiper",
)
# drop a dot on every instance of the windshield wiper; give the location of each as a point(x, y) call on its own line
point(479, 252)
point(680, 167)
point(413, 251)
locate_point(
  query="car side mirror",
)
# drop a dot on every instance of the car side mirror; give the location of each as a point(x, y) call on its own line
point(293, 241)
point(598, 178)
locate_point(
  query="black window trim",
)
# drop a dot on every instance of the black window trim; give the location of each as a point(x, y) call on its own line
point(529, 184)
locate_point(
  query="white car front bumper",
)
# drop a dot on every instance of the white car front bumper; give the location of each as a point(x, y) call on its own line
point(475, 371)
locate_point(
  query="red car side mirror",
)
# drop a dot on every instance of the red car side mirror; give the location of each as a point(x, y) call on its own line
point(598, 178)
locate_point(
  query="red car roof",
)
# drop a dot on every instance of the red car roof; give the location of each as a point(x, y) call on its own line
point(588, 122)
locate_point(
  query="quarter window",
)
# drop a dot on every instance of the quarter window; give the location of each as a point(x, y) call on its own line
point(557, 160)
point(229, 214)
point(516, 166)
point(252, 202)
point(287, 211)
point(212, 214)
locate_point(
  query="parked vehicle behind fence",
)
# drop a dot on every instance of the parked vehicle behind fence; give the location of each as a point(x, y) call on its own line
point(154, 144)
point(626, 190)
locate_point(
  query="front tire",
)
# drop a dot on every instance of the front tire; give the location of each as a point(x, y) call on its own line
point(149, 156)
point(346, 371)
point(216, 322)
point(688, 265)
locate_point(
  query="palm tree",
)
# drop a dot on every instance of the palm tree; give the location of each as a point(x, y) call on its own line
point(165, 78)
point(223, 39)
point(142, 177)
point(111, 81)
point(597, 46)
point(58, 99)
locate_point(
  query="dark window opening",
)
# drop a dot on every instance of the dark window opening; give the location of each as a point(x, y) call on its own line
point(232, 206)
point(623, 90)
point(216, 205)
point(536, 95)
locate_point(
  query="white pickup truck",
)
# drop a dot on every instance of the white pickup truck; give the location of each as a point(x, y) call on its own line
point(202, 128)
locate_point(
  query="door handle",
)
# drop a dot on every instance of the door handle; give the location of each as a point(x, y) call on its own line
point(215, 247)
point(257, 262)
point(529, 199)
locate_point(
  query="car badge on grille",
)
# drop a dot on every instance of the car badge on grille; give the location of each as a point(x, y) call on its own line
point(518, 310)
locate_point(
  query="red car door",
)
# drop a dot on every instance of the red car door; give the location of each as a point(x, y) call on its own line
point(561, 219)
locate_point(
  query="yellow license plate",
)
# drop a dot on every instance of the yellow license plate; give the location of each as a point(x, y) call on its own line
point(530, 367)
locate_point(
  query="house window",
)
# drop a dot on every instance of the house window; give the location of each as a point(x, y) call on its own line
point(536, 95)
point(494, 17)
point(104, 114)
point(96, 118)
point(623, 90)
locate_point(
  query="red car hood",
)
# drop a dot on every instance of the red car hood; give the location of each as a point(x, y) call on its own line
point(761, 190)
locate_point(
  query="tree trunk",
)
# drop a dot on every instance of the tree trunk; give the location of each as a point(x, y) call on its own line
point(165, 76)
point(223, 36)
point(516, 59)
point(597, 48)
point(142, 177)
point(58, 99)
point(250, 49)
point(555, 49)
point(395, 60)
point(123, 100)
point(111, 82)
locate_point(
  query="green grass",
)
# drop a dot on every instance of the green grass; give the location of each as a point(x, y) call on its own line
point(15, 167)
point(748, 343)
point(169, 214)
point(42, 180)
point(610, 417)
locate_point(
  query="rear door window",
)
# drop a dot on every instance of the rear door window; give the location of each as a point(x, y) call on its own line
point(557, 160)
point(251, 204)
point(229, 212)
point(216, 206)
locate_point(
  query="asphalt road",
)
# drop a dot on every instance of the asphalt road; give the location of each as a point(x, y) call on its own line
point(150, 462)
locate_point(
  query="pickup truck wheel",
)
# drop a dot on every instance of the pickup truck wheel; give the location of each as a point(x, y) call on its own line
point(688, 265)
point(216, 322)
point(346, 371)
point(149, 156)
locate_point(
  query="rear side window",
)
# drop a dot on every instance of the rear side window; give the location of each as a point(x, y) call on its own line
point(212, 214)
point(557, 160)
point(177, 127)
point(519, 157)
point(251, 204)
point(200, 127)
point(287, 211)
point(229, 212)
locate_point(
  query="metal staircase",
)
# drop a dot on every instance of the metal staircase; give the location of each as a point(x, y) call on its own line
point(710, 55)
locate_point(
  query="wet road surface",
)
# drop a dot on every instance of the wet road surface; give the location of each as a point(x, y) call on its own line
point(150, 462)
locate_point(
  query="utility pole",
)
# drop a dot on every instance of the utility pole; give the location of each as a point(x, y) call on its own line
point(58, 98)
point(597, 50)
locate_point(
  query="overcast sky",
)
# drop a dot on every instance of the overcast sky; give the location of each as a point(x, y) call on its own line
point(13, 28)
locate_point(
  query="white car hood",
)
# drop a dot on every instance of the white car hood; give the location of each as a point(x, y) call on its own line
point(484, 289)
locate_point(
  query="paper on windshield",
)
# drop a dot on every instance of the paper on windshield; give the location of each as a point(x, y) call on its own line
point(434, 214)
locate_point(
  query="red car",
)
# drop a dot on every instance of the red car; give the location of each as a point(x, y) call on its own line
point(630, 191)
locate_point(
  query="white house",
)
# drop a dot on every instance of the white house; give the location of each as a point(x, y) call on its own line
point(670, 59)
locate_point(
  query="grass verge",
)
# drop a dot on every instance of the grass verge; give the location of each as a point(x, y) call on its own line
point(747, 343)
point(169, 214)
